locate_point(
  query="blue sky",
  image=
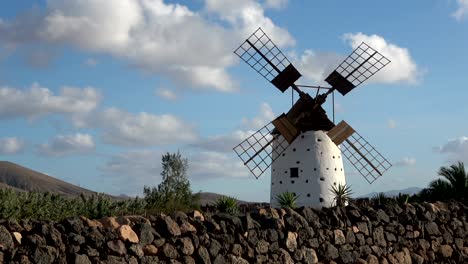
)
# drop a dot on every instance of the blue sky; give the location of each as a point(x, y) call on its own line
point(94, 91)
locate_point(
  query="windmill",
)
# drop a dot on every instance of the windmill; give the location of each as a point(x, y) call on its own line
point(303, 146)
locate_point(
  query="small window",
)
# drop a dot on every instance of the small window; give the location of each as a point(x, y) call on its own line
point(307, 181)
point(302, 136)
point(294, 149)
point(292, 182)
point(322, 179)
point(298, 162)
point(321, 199)
point(281, 182)
point(308, 195)
point(318, 139)
point(308, 149)
point(294, 172)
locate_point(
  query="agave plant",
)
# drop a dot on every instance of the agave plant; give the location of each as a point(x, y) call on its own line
point(380, 199)
point(227, 204)
point(402, 199)
point(287, 199)
point(342, 194)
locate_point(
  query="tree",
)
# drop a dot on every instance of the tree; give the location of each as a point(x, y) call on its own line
point(453, 185)
point(173, 193)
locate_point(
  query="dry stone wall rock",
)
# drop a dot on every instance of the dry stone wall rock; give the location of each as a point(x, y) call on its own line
point(412, 233)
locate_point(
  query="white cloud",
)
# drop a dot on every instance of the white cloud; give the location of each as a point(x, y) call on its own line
point(142, 129)
point(226, 142)
point(62, 145)
point(316, 65)
point(407, 161)
point(190, 47)
point(275, 3)
point(128, 172)
point(203, 165)
point(11, 145)
point(462, 10)
point(456, 149)
point(223, 143)
point(391, 124)
point(91, 62)
point(402, 68)
point(38, 101)
point(264, 117)
point(166, 94)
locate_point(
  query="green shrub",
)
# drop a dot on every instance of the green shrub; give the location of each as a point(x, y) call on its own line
point(342, 194)
point(287, 199)
point(227, 204)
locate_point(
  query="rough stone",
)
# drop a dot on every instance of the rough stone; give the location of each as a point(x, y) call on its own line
point(169, 227)
point(339, 237)
point(43, 255)
point(6, 241)
point(110, 222)
point(197, 215)
point(378, 236)
point(262, 247)
point(371, 259)
point(150, 250)
point(432, 229)
point(214, 247)
point(331, 251)
point(170, 251)
point(126, 233)
point(445, 251)
point(185, 246)
point(81, 259)
point(117, 247)
point(291, 242)
point(203, 255)
point(284, 257)
point(362, 226)
point(17, 237)
point(186, 227)
point(236, 250)
point(310, 256)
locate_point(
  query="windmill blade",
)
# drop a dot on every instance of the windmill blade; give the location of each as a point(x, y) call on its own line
point(362, 155)
point(263, 55)
point(359, 66)
point(257, 152)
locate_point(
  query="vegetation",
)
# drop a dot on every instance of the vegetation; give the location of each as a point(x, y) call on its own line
point(381, 199)
point(227, 204)
point(342, 194)
point(173, 193)
point(287, 199)
point(402, 199)
point(452, 185)
point(26, 205)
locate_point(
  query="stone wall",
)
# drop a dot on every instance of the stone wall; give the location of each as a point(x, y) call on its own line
point(412, 233)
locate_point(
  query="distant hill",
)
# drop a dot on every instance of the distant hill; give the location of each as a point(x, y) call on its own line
point(23, 179)
point(410, 191)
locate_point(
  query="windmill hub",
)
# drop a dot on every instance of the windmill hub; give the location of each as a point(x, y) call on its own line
point(308, 167)
point(301, 146)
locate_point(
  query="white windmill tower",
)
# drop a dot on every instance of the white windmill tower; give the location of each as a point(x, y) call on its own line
point(304, 147)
